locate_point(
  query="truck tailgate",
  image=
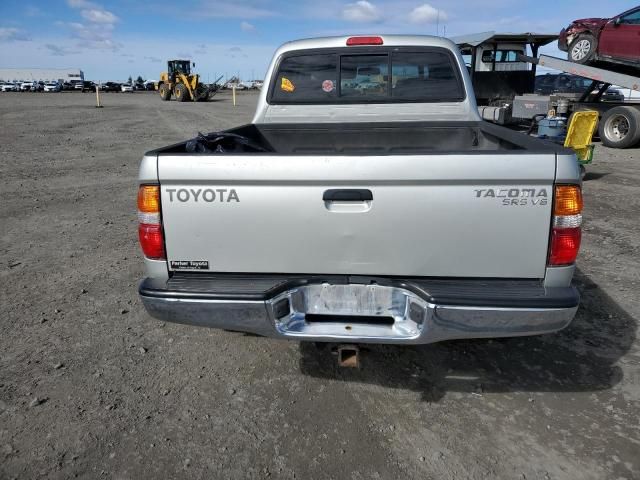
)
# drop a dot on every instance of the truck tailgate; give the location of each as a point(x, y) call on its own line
point(449, 215)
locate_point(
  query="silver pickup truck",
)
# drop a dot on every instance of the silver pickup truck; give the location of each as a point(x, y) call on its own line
point(367, 202)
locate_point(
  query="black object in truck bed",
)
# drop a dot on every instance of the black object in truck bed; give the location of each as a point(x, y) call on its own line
point(377, 138)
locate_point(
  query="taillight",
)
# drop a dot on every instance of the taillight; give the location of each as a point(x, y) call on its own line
point(352, 41)
point(149, 224)
point(567, 220)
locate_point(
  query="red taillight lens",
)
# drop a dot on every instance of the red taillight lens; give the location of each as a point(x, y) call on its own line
point(151, 241)
point(567, 219)
point(565, 243)
point(351, 41)
point(149, 224)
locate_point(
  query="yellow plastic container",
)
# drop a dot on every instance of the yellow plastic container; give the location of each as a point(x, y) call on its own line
point(580, 133)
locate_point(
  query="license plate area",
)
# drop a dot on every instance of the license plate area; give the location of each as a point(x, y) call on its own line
point(327, 311)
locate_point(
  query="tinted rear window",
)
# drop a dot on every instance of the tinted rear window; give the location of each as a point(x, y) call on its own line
point(424, 76)
point(364, 77)
point(301, 78)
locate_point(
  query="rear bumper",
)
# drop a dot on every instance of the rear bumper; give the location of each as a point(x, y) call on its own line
point(361, 310)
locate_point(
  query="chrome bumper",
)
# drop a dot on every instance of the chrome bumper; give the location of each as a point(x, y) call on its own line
point(358, 313)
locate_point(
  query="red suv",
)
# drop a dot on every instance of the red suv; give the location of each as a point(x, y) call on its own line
point(614, 39)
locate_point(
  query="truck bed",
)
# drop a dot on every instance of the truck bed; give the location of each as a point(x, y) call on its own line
point(397, 138)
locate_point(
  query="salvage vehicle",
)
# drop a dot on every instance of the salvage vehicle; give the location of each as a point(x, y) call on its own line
point(360, 215)
point(615, 40)
point(550, 83)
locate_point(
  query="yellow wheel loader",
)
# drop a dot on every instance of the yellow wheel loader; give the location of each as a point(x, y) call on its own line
point(181, 83)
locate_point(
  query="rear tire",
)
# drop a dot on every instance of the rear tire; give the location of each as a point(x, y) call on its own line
point(182, 94)
point(165, 92)
point(619, 127)
point(583, 49)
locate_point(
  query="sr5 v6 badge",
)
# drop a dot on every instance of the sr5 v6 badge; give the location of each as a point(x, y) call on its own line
point(515, 196)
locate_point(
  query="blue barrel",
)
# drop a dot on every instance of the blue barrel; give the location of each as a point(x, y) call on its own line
point(552, 127)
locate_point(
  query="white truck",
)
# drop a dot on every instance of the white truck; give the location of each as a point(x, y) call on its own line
point(367, 202)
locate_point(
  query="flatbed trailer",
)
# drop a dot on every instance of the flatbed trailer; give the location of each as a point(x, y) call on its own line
point(619, 125)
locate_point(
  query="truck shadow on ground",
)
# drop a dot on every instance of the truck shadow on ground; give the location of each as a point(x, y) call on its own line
point(594, 175)
point(580, 358)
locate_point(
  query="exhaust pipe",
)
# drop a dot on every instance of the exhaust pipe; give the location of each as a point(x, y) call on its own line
point(349, 356)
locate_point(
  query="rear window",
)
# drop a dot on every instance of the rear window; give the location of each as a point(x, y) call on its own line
point(311, 78)
point(380, 77)
point(424, 76)
point(501, 56)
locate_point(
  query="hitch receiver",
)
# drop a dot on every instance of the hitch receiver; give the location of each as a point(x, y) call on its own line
point(349, 356)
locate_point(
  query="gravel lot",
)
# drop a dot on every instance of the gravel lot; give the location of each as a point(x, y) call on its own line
point(92, 387)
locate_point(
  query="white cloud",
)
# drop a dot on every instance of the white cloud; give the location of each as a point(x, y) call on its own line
point(247, 27)
point(251, 62)
point(96, 31)
point(31, 11)
point(427, 14)
point(244, 9)
point(362, 12)
point(59, 51)
point(96, 15)
point(10, 34)
point(80, 4)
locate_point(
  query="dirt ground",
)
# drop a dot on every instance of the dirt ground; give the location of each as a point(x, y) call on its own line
point(92, 387)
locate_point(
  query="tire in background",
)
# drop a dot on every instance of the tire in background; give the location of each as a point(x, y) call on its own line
point(165, 92)
point(619, 127)
point(182, 94)
point(578, 49)
point(202, 93)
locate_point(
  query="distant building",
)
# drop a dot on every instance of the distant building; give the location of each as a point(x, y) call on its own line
point(41, 74)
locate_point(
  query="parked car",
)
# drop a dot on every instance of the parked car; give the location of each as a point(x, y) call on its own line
point(613, 95)
point(110, 87)
point(52, 87)
point(238, 86)
point(28, 86)
point(565, 83)
point(615, 39)
point(7, 87)
point(85, 86)
point(150, 85)
point(126, 87)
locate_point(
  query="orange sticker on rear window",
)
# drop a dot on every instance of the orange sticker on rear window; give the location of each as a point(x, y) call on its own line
point(286, 85)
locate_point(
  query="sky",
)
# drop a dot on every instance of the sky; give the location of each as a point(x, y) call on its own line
point(112, 40)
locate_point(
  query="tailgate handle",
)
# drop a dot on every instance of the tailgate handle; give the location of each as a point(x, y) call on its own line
point(347, 195)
